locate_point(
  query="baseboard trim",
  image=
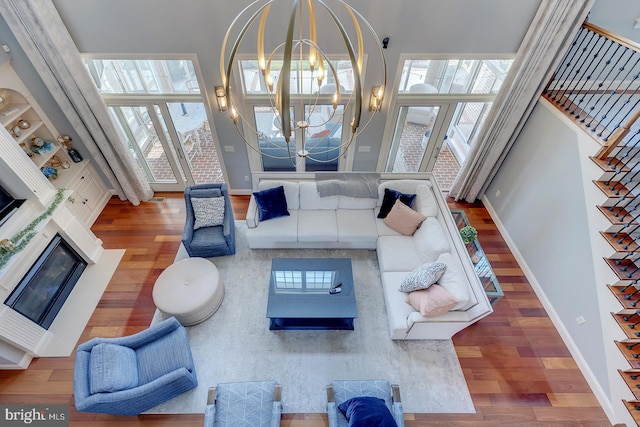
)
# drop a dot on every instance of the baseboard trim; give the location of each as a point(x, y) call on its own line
point(597, 389)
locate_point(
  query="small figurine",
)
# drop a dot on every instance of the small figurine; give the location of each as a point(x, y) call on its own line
point(65, 141)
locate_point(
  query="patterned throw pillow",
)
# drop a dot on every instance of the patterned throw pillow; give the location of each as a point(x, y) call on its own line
point(208, 211)
point(423, 276)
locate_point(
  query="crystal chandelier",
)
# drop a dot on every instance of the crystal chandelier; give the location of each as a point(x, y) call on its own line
point(299, 71)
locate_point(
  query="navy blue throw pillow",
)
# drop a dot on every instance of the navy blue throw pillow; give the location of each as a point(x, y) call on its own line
point(271, 203)
point(390, 197)
point(367, 411)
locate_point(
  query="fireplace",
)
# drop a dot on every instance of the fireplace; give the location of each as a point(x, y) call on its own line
point(41, 293)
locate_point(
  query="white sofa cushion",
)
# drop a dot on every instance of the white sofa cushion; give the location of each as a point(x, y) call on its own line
point(277, 230)
point(425, 202)
point(357, 226)
point(398, 310)
point(290, 191)
point(430, 240)
point(454, 280)
point(397, 253)
point(317, 226)
point(310, 199)
point(346, 202)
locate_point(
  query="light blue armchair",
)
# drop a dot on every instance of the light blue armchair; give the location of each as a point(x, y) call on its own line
point(209, 241)
point(244, 404)
point(129, 375)
point(341, 391)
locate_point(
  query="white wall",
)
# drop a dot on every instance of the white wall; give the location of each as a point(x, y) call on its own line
point(617, 16)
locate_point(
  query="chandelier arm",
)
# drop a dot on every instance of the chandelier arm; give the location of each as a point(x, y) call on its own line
point(357, 83)
point(284, 80)
point(234, 49)
point(375, 36)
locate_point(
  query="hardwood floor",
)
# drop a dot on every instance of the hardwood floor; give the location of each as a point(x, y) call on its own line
point(517, 368)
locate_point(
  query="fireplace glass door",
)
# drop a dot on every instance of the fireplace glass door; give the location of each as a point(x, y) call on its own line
point(43, 290)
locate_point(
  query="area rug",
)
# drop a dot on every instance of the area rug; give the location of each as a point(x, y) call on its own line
point(235, 344)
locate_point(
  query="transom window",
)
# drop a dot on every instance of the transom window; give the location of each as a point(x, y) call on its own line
point(253, 81)
point(453, 75)
point(143, 76)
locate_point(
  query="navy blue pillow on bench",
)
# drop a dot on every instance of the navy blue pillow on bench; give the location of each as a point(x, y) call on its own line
point(367, 411)
point(389, 199)
point(271, 203)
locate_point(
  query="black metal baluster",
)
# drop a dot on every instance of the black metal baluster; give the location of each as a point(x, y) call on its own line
point(612, 97)
point(604, 79)
point(591, 68)
point(577, 63)
point(626, 115)
point(575, 47)
point(629, 54)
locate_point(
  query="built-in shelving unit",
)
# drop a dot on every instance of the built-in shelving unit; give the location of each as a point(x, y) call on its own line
point(27, 125)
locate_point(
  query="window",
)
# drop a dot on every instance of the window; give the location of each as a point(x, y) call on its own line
point(453, 75)
point(143, 76)
point(253, 82)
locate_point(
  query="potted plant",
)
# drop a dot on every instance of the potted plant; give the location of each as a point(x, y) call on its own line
point(468, 234)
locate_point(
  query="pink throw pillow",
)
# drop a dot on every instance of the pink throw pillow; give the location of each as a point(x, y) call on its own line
point(403, 219)
point(433, 301)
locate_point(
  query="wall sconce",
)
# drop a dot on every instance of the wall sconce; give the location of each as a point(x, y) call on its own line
point(221, 97)
point(375, 101)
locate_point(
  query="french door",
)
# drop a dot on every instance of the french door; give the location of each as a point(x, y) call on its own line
point(166, 139)
point(418, 136)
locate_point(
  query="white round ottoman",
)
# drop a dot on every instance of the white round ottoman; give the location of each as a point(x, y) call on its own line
point(190, 289)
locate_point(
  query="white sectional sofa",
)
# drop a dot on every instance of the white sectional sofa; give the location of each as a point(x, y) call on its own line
point(346, 222)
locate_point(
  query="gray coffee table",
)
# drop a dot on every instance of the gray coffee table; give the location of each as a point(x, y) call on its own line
point(299, 295)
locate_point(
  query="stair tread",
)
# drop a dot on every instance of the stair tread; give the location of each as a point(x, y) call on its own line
point(623, 269)
point(617, 215)
point(622, 242)
point(605, 166)
point(634, 385)
point(612, 187)
point(630, 303)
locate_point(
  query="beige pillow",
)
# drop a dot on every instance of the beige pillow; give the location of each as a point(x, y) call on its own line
point(403, 219)
point(433, 301)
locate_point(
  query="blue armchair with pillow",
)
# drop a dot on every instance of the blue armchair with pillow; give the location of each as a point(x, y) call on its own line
point(129, 375)
point(364, 403)
point(209, 229)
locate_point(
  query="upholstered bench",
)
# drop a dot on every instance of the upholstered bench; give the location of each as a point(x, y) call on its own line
point(191, 290)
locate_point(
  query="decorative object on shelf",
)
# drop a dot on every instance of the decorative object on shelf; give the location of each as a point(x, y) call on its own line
point(6, 245)
point(40, 146)
point(299, 71)
point(65, 141)
point(54, 161)
point(21, 239)
point(49, 172)
point(475, 258)
point(468, 234)
point(9, 111)
point(57, 162)
point(23, 124)
point(16, 132)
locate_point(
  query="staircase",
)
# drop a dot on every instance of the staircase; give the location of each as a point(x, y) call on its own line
point(621, 206)
point(597, 85)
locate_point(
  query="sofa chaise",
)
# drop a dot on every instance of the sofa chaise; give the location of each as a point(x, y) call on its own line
point(352, 223)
